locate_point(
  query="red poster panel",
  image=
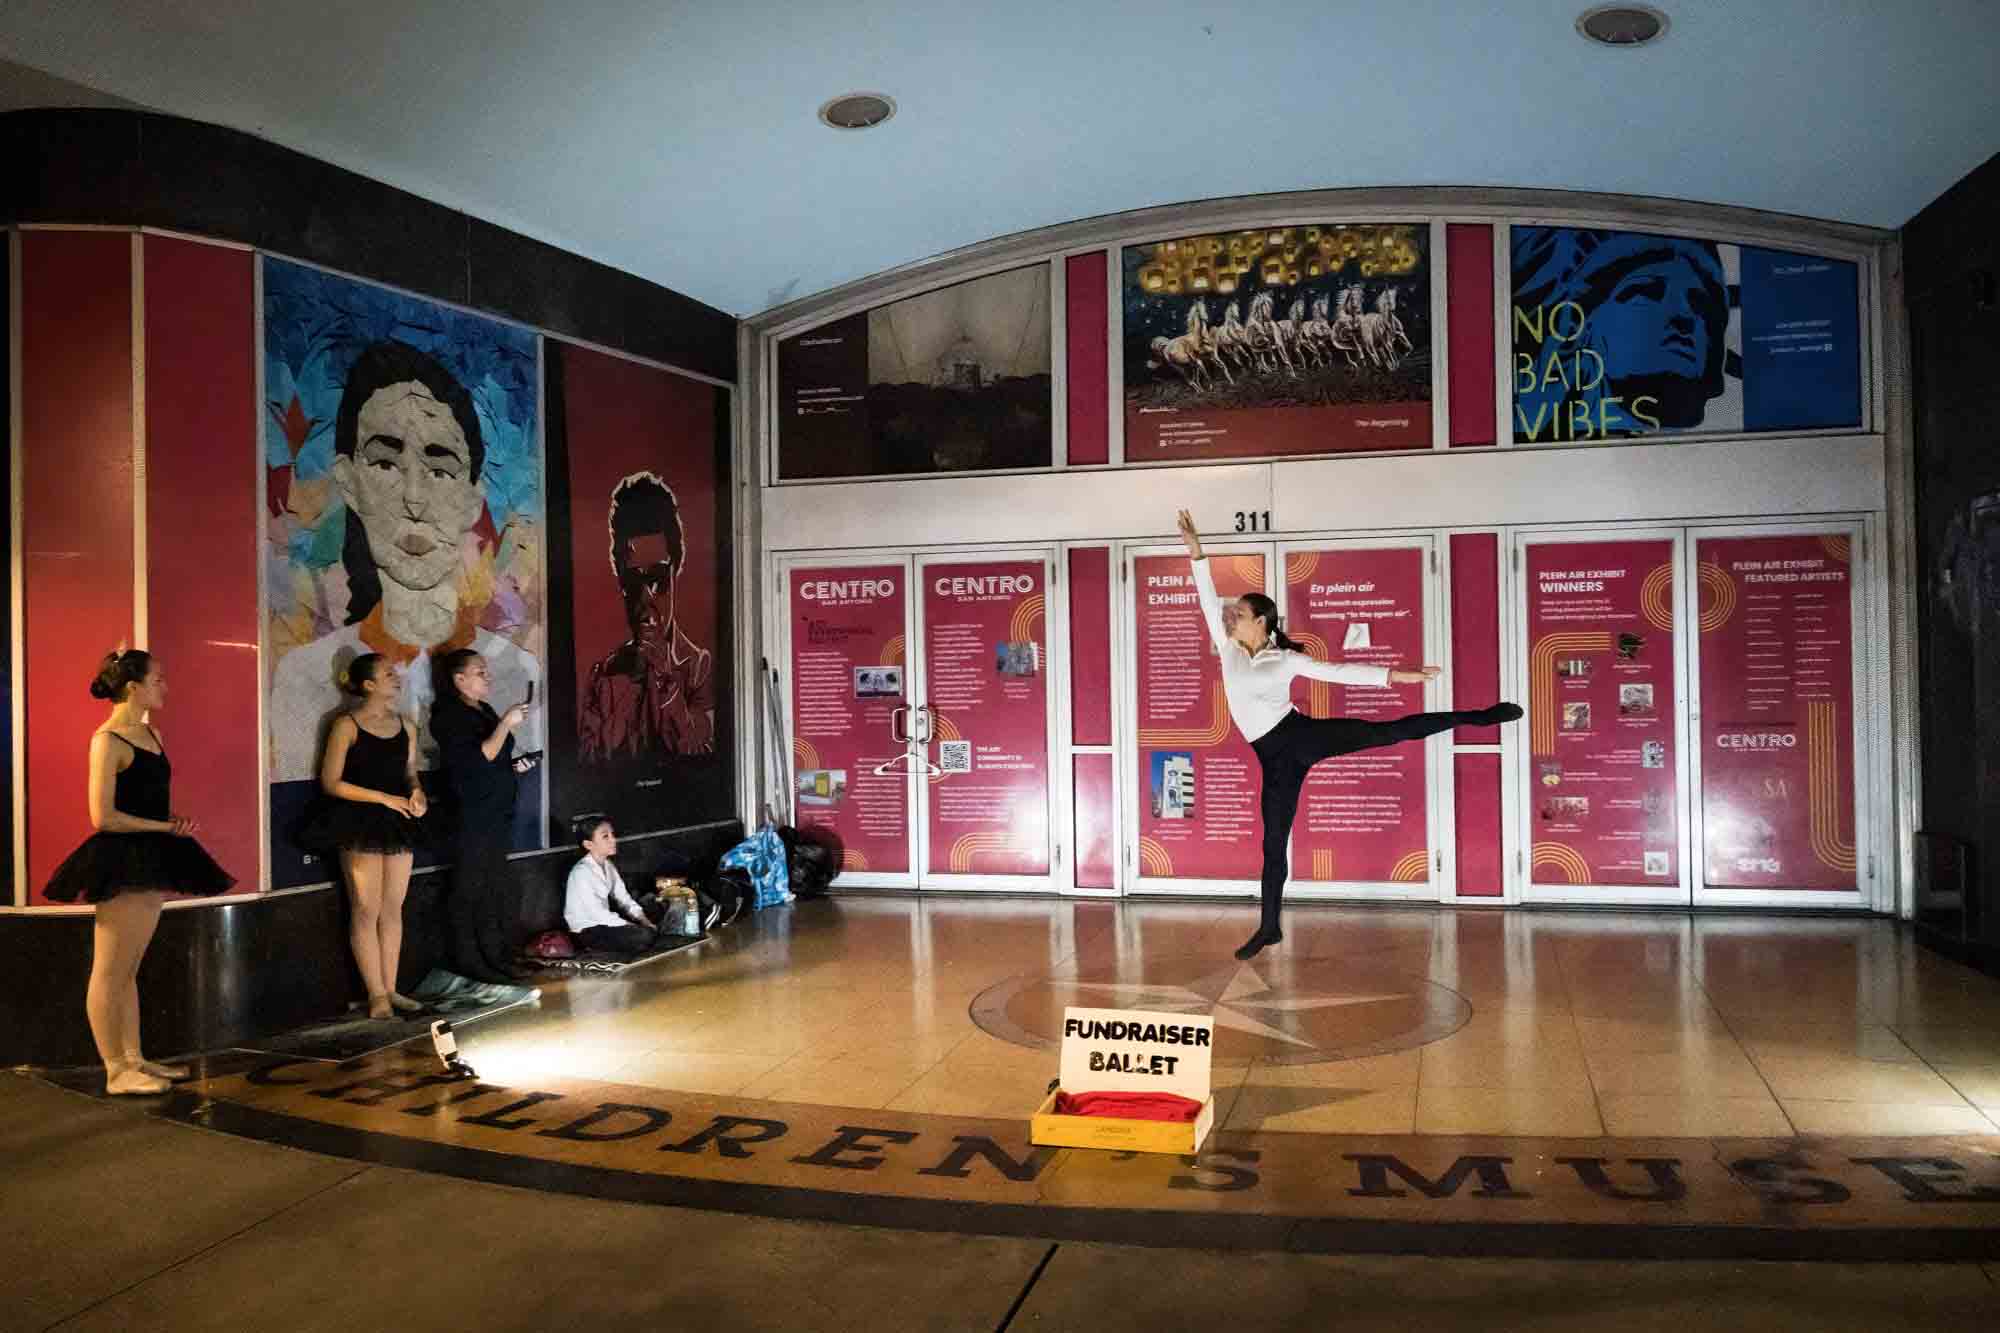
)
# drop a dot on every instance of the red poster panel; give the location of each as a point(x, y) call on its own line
point(201, 527)
point(1087, 310)
point(1469, 318)
point(1094, 802)
point(76, 501)
point(1362, 817)
point(848, 676)
point(1476, 781)
point(1090, 645)
point(1475, 629)
point(1601, 712)
point(985, 677)
point(1777, 712)
point(1198, 779)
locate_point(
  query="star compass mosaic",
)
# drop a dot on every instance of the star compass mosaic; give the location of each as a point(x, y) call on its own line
point(1295, 1011)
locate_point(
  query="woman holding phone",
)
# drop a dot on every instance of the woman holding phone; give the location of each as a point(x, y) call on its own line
point(1259, 663)
point(476, 746)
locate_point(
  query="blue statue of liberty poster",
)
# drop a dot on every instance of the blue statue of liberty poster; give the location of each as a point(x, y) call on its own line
point(1622, 334)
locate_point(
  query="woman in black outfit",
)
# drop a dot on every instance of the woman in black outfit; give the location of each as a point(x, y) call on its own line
point(141, 852)
point(476, 746)
point(374, 800)
point(1259, 664)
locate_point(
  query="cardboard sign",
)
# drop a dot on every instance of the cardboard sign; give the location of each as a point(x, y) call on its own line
point(1133, 1050)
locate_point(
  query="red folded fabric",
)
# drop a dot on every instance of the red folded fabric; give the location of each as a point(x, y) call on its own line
point(1130, 1105)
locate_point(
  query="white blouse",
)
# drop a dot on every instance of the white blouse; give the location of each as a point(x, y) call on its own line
point(1259, 688)
point(593, 896)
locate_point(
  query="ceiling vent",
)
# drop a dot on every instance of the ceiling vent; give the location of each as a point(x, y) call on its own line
point(857, 111)
point(1622, 26)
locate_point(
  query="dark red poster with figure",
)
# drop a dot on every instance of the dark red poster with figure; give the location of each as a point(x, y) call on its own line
point(1603, 790)
point(1777, 712)
point(848, 676)
point(1198, 779)
point(986, 665)
point(1362, 817)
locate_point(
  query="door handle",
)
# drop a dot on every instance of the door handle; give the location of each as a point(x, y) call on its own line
point(896, 731)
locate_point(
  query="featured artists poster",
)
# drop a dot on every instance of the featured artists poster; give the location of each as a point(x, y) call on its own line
point(1777, 712)
point(1603, 790)
point(403, 479)
point(1620, 334)
point(986, 675)
point(849, 655)
point(1198, 779)
point(1362, 817)
point(639, 682)
point(950, 381)
point(1279, 340)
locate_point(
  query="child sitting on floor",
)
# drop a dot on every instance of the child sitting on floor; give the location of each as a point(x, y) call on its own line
point(596, 907)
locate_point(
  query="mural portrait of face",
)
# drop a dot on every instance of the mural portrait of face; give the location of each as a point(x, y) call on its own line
point(408, 462)
point(654, 693)
point(647, 553)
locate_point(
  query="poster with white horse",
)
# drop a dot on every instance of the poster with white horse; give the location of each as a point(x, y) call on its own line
point(1281, 341)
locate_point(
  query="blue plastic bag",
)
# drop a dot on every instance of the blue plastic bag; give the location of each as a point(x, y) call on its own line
point(762, 857)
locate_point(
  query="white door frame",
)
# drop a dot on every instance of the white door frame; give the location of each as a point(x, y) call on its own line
point(779, 628)
point(1058, 796)
point(1860, 724)
point(1435, 886)
point(1681, 893)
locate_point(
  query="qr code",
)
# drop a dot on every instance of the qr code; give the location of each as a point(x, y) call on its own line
point(955, 756)
point(1656, 863)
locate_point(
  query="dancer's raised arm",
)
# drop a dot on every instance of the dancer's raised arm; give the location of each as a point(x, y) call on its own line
point(1204, 584)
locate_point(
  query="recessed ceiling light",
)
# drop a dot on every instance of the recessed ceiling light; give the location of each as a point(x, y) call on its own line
point(1622, 25)
point(857, 111)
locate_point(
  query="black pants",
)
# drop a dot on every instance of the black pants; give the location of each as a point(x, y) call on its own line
point(1287, 753)
point(618, 939)
point(482, 933)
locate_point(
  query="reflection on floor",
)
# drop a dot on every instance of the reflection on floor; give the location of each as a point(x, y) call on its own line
point(1365, 1021)
point(1554, 1084)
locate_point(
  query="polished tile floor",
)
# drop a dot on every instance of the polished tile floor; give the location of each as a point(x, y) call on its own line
point(1365, 1021)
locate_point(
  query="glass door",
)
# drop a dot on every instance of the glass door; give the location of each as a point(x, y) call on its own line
point(1606, 766)
point(1780, 717)
point(1194, 827)
point(983, 720)
point(1365, 820)
point(849, 714)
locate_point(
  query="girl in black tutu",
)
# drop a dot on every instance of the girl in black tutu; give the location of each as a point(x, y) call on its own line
point(374, 801)
point(141, 852)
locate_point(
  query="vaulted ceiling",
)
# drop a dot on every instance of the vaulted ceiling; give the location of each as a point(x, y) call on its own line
point(679, 141)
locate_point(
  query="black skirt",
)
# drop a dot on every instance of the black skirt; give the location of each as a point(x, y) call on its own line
point(355, 826)
point(108, 864)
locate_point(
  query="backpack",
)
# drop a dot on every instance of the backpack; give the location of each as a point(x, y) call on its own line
point(762, 857)
point(814, 862)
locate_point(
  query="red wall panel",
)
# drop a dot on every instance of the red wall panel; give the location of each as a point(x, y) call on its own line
point(1089, 359)
point(201, 534)
point(1096, 825)
point(1481, 868)
point(1475, 629)
point(1469, 316)
point(75, 452)
point(1090, 645)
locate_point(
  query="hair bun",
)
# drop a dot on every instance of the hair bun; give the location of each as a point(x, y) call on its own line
point(121, 667)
